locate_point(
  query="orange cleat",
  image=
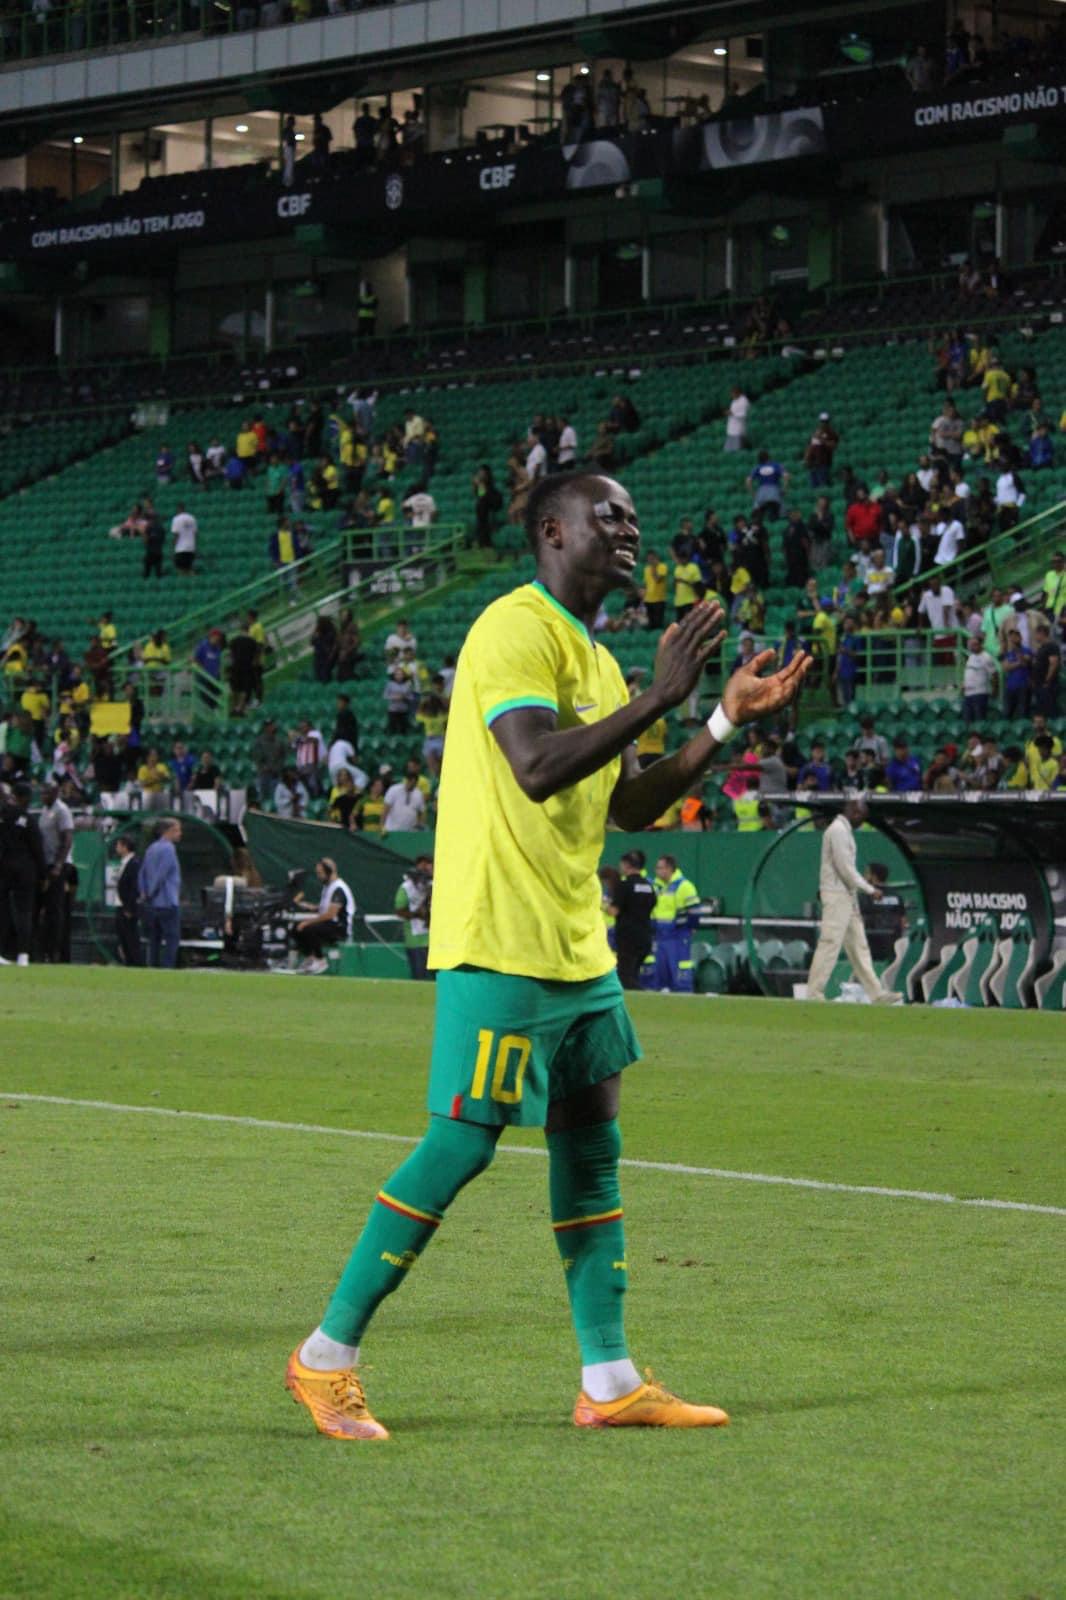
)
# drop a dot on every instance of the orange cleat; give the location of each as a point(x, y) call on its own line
point(650, 1406)
point(335, 1400)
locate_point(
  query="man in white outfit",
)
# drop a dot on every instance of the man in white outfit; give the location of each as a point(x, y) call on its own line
point(840, 883)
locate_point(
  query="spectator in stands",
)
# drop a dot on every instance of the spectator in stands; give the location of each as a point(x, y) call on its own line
point(420, 508)
point(269, 753)
point(608, 101)
point(1042, 763)
point(343, 798)
point(656, 574)
point(816, 769)
point(945, 435)
point(185, 530)
point(1041, 448)
point(1054, 586)
point(488, 503)
point(208, 657)
point(182, 765)
point(1017, 662)
point(767, 481)
point(941, 775)
point(151, 531)
point(400, 639)
point(288, 547)
point(321, 139)
point(1010, 497)
point(97, 663)
point(904, 771)
point(154, 780)
point(164, 465)
point(405, 805)
point(950, 538)
point(432, 713)
point(195, 465)
point(247, 447)
point(234, 472)
point(938, 608)
point(1046, 672)
point(349, 645)
point(820, 451)
point(979, 680)
point(214, 461)
point(324, 647)
point(370, 811)
point(397, 697)
point(536, 465)
point(291, 798)
point(309, 751)
point(736, 414)
point(797, 545)
point(820, 526)
point(920, 71)
point(364, 129)
point(243, 668)
point(688, 586)
point(862, 520)
point(277, 474)
point(208, 774)
point(288, 151)
point(851, 651)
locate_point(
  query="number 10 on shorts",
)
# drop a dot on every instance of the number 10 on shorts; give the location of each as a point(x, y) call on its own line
point(512, 1058)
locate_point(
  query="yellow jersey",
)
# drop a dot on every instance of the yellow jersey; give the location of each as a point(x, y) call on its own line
point(652, 742)
point(515, 886)
point(247, 444)
point(655, 575)
point(686, 575)
point(36, 703)
point(108, 635)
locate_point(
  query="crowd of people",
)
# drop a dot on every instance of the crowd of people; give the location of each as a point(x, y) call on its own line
point(967, 57)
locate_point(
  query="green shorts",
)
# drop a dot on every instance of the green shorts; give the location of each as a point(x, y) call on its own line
point(504, 1047)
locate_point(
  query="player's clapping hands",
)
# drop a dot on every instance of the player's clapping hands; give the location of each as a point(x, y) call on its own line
point(683, 649)
point(747, 696)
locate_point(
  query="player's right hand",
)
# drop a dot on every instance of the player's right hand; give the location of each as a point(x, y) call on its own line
point(683, 649)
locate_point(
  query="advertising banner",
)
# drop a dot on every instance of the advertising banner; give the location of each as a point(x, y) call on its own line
point(901, 120)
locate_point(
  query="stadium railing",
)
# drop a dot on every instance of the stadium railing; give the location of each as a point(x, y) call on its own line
point(375, 590)
point(325, 571)
point(1017, 557)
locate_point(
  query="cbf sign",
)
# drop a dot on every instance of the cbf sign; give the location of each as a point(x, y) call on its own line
point(293, 205)
point(497, 177)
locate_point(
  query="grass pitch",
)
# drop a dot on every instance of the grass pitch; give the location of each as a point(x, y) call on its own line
point(893, 1366)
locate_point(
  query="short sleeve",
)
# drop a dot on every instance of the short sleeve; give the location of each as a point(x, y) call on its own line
point(512, 659)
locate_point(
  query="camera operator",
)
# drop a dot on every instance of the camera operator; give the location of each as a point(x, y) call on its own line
point(331, 922)
point(412, 905)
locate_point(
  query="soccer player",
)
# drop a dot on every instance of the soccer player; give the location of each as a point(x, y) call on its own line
point(531, 1026)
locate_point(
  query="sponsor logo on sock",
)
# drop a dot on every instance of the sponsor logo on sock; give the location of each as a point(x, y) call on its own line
point(406, 1261)
point(620, 1266)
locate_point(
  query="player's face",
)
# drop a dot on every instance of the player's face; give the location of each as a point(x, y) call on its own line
point(604, 536)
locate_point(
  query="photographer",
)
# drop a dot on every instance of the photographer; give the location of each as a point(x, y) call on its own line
point(331, 921)
point(412, 904)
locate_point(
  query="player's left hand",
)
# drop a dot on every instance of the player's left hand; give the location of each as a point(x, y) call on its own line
point(747, 696)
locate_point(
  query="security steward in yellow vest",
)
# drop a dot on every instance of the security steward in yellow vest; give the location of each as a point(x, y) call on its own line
point(675, 897)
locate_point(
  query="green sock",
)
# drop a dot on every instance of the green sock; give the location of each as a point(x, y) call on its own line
point(586, 1206)
point(406, 1214)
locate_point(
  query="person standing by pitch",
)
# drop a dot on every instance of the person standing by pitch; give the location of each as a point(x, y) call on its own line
point(840, 883)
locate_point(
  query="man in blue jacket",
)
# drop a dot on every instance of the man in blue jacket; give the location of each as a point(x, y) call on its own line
point(159, 882)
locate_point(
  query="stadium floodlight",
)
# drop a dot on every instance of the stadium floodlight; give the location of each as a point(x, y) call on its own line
point(242, 127)
point(77, 139)
point(720, 50)
point(544, 77)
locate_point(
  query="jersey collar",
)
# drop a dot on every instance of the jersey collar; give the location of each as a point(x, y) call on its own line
point(575, 622)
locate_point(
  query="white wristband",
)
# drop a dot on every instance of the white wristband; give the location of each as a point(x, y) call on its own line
point(719, 726)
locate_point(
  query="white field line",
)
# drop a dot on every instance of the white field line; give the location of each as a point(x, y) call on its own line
point(880, 1191)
